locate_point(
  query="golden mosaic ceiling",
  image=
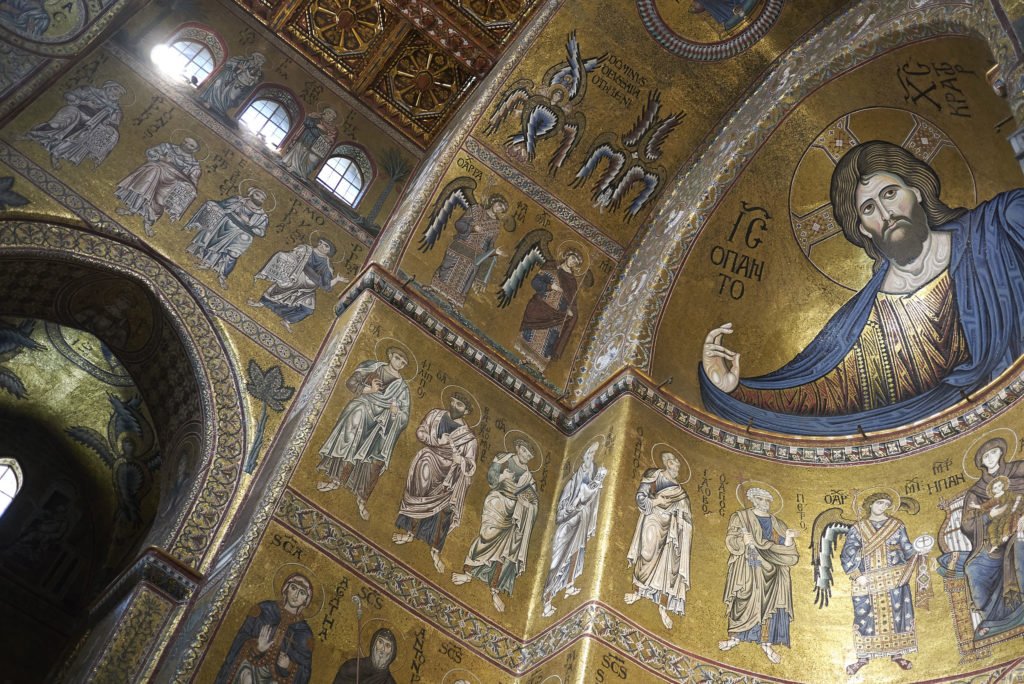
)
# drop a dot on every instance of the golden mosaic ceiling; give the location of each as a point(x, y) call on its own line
point(412, 61)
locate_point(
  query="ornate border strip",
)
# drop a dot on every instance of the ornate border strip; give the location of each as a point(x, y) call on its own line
point(226, 311)
point(177, 95)
point(806, 451)
point(562, 211)
point(199, 525)
point(488, 640)
point(104, 223)
point(707, 52)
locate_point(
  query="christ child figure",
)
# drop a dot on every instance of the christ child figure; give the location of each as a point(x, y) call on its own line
point(1002, 515)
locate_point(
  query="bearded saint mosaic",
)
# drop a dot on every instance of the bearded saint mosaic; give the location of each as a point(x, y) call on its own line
point(360, 446)
point(498, 555)
point(575, 524)
point(940, 318)
point(660, 550)
point(296, 275)
point(87, 126)
point(225, 230)
point(439, 475)
point(165, 182)
point(758, 586)
point(883, 564)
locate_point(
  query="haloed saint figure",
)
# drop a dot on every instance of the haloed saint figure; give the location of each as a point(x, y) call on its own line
point(941, 317)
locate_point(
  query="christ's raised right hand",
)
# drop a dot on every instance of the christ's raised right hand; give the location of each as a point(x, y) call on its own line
point(721, 365)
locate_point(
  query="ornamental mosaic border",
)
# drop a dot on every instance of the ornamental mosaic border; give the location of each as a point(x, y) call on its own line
point(488, 640)
point(862, 33)
point(76, 44)
point(103, 223)
point(849, 450)
point(413, 306)
point(132, 646)
point(180, 97)
point(244, 323)
point(153, 568)
point(707, 52)
point(60, 191)
point(200, 523)
point(291, 438)
point(561, 211)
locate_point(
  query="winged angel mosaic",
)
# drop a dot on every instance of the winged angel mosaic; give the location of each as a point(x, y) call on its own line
point(548, 111)
point(882, 564)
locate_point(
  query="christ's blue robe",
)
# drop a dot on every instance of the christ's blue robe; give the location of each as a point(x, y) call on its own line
point(987, 271)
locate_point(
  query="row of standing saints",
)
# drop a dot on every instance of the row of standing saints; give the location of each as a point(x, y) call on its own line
point(87, 126)
point(883, 562)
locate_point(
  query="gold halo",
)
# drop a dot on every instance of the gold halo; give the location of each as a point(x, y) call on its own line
point(446, 396)
point(537, 453)
point(359, 637)
point(1006, 433)
point(584, 255)
point(268, 193)
point(741, 494)
point(279, 579)
point(675, 452)
point(602, 443)
point(378, 353)
point(444, 680)
point(860, 494)
point(813, 225)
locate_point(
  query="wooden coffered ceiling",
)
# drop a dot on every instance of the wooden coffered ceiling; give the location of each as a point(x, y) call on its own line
point(411, 61)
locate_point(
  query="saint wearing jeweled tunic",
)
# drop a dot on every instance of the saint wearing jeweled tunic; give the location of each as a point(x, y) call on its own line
point(466, 256)
point(883, 608)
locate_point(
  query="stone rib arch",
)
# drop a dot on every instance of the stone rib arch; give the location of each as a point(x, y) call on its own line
point(623, 332)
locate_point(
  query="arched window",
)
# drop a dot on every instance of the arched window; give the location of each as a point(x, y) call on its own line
point(341, 176)
point(270, 113)
point(10, 482)
point(193, 52)
point(195, 60)
point(347, 173)
point(267, 119)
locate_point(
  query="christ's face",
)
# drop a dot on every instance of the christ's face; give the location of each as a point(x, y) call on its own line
point(762, 503)
point(990, 459)
point(382, 650)
point(998, 488)
point(880, 506)
point(891, 216)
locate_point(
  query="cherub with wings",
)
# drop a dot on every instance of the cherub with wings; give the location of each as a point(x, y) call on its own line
point(640, 147)
point(470, 256)
point(881, 562)
point(548, 111)
point(129, 450)
point(552, 312)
